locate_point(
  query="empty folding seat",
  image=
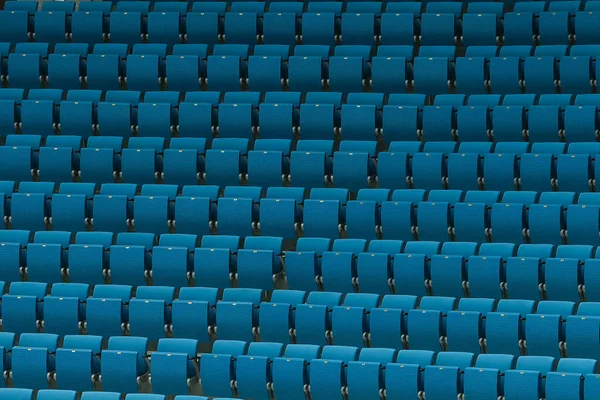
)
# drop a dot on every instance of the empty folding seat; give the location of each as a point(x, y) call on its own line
point(259, 262)
point(582, 224)
point(308, 72)
point(313, 319)
point(280, 27)
point(215, 261)
point(115, 119)
point(124, 363)
point(506, 75)
point(578, 343)
point(426, 329)
point(540, 74)
point(550, 316)
point(505, 327)
point(184, 72)
point(328, 373)
point(38, 117)
point(480, 29)
point(472, 74)
point(524, 273)
point(303, 267)
point(587, 26)
point(64, 71)
point(411, 268)
point(130, 261)
point(537, 172)
point(466, 326)
point(340, 263)
point(576, 74)
point(310, 164)
point(143, 72)
point(193, 211)
point(237, 314)
point(15, 26)
point(446, 373)
point(405, 377)
point(350, 321)
point(226, 162)
point(22, 308)
point(241, 28)
point(318, 28)
point(527, 376)
point(71, 207)
point(428, 170)
point(519, 28)
point(174, 365)
point(77, 362)
point(224, 73)
point(438, 29)
point(77, 118)
point(33, 360)
point(193, 314)
point(500, 171)
point(30, 211)
point(330, 203)
point(253, 371)
point(448, 270)
point(151, 301)
point(398, 27)
point(486, 271)
point(50, 27)
point(217, 371)
point(100, 160)
point(278, 316)
point(546, 223)
point(353, 165)
point(16, 163)
point(432, 75)
point(163, 27)
point(202, 27)
point(485, 377)
point(126, 27)
point(88, 27)
point(555, 27)
point(358, 28)
point(571, 374)
point(238, 211)
point(107, 311)
point(104, 71)
point(88, 257)
point(57, 164)
point(12, 250)
point(142, 161)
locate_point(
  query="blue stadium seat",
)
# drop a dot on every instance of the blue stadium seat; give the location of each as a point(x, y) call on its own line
point(174, 366)
point(194, 313)
point(107, 311)
point(324, 213)
point(237, 314)
point(327, 374)
point(254, 370)
point(77, 362)
point(527, 376)
point(505, 330)
point(130, 258)
point(64, 71)
point(278, 316)
point(124, 363)
point(550, 316)
point(446, 373)
point(486, 271)
point(568, 379)
point(33, 360)
point(126, 27)
point(15, 26)
point(218, 370)
point(64, 309)
point(426, 326)
point(22, 310)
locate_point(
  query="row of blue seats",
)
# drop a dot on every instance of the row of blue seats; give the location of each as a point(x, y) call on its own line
point(310, 69)
point(379, 100)
point(260, 8)
point(53, 394)
point(260, 370)
point(478, 325)
point(314, 164)
point(323, 24)
point(322, 116)
point(381, 266)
